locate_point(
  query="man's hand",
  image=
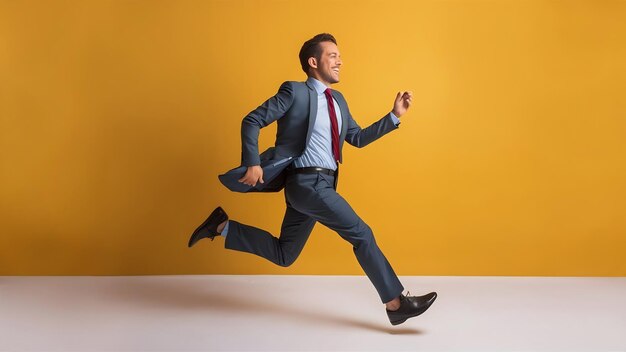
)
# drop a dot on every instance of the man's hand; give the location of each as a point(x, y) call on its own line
point(252, 176)
point(402, 103)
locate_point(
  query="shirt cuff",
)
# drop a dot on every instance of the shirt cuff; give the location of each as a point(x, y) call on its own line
point(394, 118)
point(225, 230)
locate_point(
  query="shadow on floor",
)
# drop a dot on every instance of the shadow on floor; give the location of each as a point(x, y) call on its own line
point(187, 293)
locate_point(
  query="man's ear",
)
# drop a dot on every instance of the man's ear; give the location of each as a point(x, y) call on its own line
point(312, 62)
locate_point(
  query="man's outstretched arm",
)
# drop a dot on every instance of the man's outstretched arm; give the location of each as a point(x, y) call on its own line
point(360, 137)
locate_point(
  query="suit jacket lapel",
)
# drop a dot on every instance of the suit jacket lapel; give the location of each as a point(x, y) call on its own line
point(312, 110)
point(343, 108)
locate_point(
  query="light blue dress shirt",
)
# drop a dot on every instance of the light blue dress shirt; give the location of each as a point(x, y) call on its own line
point(319, 153)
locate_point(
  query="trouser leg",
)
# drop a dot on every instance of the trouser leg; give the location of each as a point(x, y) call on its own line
point(283, 250)
point(321, 202)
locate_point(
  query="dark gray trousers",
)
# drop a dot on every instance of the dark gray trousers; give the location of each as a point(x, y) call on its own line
point(311, 198)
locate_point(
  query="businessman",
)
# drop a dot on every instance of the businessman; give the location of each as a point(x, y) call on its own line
point(313, 123)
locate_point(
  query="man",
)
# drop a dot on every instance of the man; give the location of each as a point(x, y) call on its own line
point(313, 122)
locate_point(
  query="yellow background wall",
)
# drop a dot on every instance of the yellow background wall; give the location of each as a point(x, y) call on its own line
point(117, 116)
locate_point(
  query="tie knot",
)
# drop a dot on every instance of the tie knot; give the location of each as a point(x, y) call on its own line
point(327, 92)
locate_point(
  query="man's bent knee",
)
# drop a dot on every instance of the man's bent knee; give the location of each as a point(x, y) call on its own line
point(287, 260)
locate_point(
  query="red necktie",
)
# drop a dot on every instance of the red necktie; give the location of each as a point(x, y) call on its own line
point(334, 129)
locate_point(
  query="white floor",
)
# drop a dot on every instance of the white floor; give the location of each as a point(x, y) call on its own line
point(307, 313)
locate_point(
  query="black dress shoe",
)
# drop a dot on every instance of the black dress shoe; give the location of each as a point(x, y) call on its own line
point(410, 306)
point(209, 226)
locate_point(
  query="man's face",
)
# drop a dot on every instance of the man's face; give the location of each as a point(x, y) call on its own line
point(328, 65)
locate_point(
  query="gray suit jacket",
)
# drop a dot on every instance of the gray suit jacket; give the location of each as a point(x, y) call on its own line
point(294, 108)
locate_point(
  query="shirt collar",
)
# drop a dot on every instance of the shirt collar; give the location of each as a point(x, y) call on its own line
point(319, 86)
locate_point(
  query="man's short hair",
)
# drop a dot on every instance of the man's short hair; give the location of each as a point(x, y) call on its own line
point(312, 48)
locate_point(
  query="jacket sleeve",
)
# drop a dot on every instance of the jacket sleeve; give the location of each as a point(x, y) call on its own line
point(271, 110)
point(360, 137)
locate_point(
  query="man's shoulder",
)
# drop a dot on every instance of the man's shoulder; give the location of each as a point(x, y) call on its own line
point(294, 84)
point(294, 88)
